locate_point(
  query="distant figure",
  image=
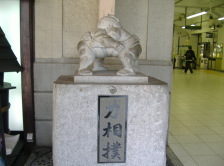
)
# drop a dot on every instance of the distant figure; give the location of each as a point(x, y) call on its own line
point(189, 58)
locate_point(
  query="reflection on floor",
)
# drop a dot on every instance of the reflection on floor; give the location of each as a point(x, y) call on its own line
point(196, 131)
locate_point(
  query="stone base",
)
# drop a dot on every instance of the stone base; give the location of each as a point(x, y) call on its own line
point(111, 77)
point(75, 122)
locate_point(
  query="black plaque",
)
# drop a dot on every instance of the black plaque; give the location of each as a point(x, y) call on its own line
point(112, 129)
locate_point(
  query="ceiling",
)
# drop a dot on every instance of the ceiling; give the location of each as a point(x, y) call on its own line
point(183, 8)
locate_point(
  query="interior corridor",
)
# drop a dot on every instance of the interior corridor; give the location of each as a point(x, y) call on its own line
point(196, 131)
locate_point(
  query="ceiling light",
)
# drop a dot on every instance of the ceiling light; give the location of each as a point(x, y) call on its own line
point(193, 25)
point(183, 27)
point(195, 15)
point(221, 18)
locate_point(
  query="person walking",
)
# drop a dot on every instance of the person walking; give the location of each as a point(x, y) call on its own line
point(189, 58)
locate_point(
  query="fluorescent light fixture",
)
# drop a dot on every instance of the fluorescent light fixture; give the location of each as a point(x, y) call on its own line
point(195, 15)
point(193, 25)
point(221, 18)
point(183, 27)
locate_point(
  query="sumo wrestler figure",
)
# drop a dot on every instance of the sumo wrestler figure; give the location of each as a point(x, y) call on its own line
point(109, 40)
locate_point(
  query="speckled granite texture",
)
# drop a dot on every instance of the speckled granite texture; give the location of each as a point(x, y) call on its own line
point(75, 122)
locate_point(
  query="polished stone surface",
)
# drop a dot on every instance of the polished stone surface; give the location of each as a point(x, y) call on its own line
point(112, 129)
point(196, 125)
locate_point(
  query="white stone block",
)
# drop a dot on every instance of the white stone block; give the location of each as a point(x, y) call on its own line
point(110, 77)
point(43, 105)
point(79, 17)
point(133, 17)
point(48, 28)
point(75, 114)
point(43, 133)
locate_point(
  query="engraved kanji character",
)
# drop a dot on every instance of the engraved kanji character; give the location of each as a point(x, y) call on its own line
point(115, 150)
point(117, 130)
point(111, 108)
point(107, 149)
point(107, 130)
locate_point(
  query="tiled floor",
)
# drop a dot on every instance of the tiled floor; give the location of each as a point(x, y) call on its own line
point(196, 131)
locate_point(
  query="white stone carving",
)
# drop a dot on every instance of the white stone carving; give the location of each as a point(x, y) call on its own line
point(110, 39)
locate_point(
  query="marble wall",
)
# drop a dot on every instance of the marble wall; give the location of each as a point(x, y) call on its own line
point(60, 24)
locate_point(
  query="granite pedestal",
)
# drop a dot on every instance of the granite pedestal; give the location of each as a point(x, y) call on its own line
point(75, 119)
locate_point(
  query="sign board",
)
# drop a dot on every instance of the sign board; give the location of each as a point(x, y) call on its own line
point(193, 27)
point(112, 129)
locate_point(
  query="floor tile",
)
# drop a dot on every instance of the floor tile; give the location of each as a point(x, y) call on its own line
point(217, 129)
point(197, 124)
point(175, 124)
point(218, 117)
point(202, 117)
point(211, 138)
point(180, 131)
point(201, 130)
point(210, 123)
point(178, 150)
point(187, 161)
point(191, 123)
point(183, 117)
point(198, 149)
point(172, 140)
point(217, 148)
point(209, 160)
point(188, 139)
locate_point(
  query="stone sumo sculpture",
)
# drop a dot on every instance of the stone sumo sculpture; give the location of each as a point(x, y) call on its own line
point(110, 39)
